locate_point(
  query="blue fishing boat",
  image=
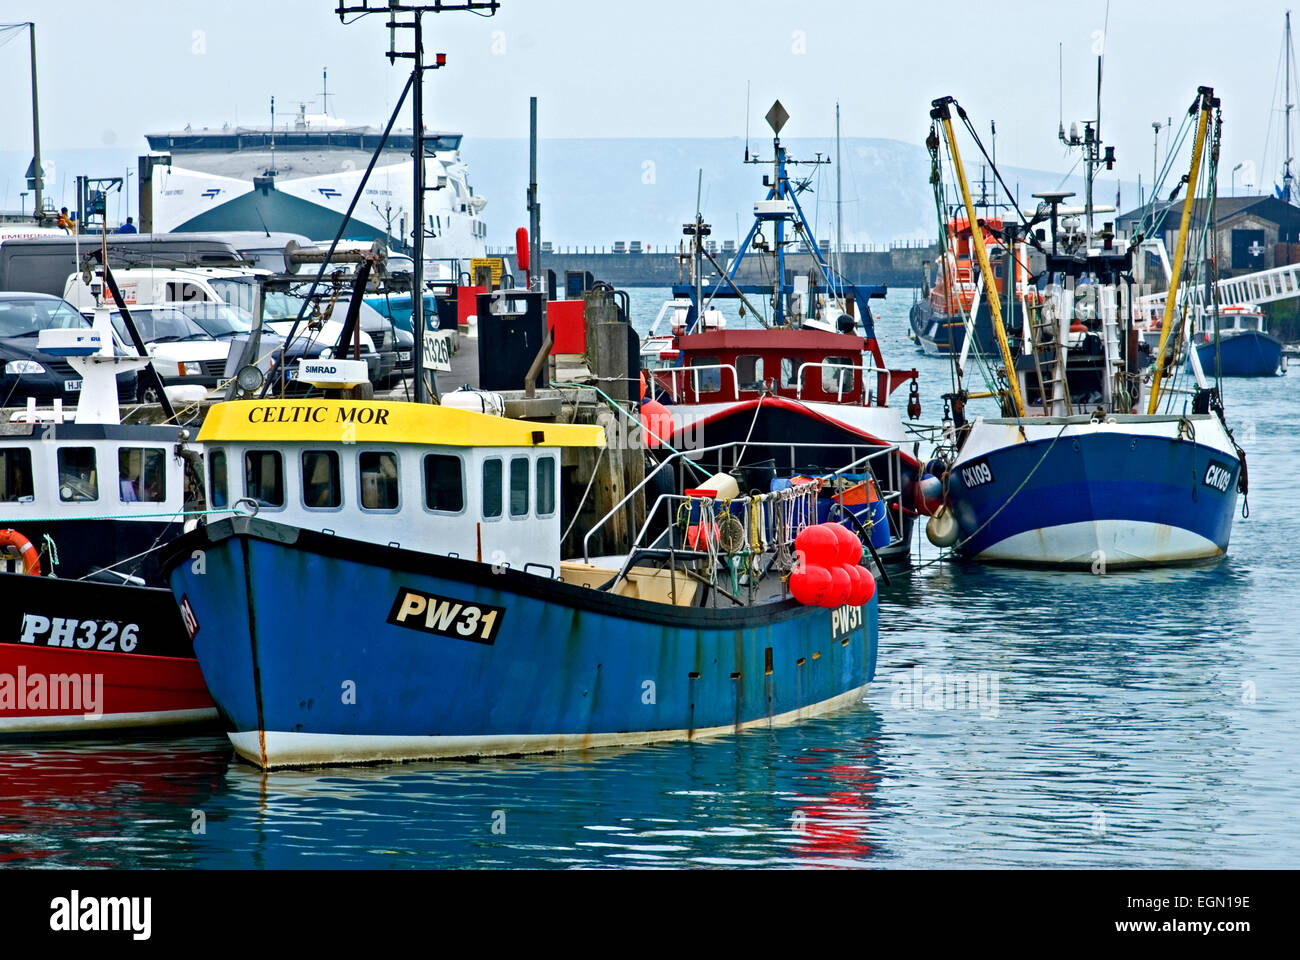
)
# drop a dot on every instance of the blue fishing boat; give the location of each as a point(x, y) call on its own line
point(1071, 475)
point(1243, 348)
point(400, 594)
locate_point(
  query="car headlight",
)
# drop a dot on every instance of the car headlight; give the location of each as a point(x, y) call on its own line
point(25, 367)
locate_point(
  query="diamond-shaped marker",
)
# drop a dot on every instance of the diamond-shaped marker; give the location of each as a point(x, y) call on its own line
point(776, 117)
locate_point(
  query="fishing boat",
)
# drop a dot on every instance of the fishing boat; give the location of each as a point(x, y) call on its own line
point(1072, 475)
point(1237, 344)
point(400, 593)
point(90, 639)
point(814, 371)
point(951, 317)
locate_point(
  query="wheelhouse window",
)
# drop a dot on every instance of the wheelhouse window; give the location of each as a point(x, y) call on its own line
point(378, 481)
point(16, 476)
point(837, 375)
point(789, 373)
point(492, 488)
point(519, 487)
point(141, 475)
point(749, 371)
point(218, 488)
point(321, 489)
point(264, 477)
point(706, 381)
point(545, 486)
point(444, 487)
point(78, 476)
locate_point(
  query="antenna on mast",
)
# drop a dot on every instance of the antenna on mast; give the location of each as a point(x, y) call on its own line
point(747, 121)
point(324, 91)
point(1060, 91)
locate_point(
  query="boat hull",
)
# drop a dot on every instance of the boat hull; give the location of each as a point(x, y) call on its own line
point(1250, 353)
point(63, 668)
point(317, 650)
point(1142, 491)
point(942, 335)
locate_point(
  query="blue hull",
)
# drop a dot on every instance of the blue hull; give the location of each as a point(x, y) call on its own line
point(1247, 354)
point(1102, 499)
point(306, 650)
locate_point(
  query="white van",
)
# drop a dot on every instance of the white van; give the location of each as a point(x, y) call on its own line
point(233, 287)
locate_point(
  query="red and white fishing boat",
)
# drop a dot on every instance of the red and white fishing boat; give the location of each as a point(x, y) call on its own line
point(89, 639)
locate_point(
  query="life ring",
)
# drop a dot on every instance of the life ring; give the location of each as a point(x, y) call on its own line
point(31, 559)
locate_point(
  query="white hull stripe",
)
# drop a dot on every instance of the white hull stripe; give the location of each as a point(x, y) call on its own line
point(319, 749)
point(1118, 543)
point(106, 721)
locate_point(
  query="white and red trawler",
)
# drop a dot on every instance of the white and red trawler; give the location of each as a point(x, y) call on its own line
point(89, 639)
point(814, 372)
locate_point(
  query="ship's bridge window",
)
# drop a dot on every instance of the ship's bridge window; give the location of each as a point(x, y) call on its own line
point(378, 481)
point(321, 489)
point(264, 477)
point(789, 373)
point(545, 486)
point(491, 488)
point(444, 489)
point(16, 476)
point(749, 370)
point(837, 375)
point(78, 477)
point(219, 491)
point(141, 474)
point(519, 487)
point(706, 381)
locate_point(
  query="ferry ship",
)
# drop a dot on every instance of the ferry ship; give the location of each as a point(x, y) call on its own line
point(301, 180)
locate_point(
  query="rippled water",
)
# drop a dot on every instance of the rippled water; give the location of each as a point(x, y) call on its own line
point(1142, 719)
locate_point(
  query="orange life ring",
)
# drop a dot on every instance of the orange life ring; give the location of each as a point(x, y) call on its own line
point(31, 559)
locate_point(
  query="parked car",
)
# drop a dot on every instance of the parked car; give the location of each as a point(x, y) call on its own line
point(27, 372)
point(191, 342)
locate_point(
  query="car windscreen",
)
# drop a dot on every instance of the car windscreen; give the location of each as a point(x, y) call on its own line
point(160, 325)
point(220, 320)
point(27, 318)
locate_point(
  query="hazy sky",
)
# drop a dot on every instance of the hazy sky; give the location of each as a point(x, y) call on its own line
point(109, 71)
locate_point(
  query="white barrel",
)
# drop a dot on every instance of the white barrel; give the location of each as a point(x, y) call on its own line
point(480, 401)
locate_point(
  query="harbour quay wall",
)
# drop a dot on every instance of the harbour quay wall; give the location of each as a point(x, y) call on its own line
point(897, 267)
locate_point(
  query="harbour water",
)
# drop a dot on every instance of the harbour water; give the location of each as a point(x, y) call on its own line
point(1019, 718)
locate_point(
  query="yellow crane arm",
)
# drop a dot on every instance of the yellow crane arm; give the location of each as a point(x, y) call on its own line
point(1205, 95)
point(942, 113)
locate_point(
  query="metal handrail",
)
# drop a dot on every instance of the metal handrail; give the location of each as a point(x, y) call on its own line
point(673, 371)
point(882, 450)
point(865, 368)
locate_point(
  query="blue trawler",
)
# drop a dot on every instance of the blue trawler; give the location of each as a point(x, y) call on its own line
point(1238, 346)
point(1071, 475)
point(400, 594)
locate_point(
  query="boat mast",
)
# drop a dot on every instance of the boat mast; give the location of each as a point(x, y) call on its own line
point(416, 9)
point(1205, 96)
point(36, 131)
point(1286, 165)
point(839, 200)
point(941, 111)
